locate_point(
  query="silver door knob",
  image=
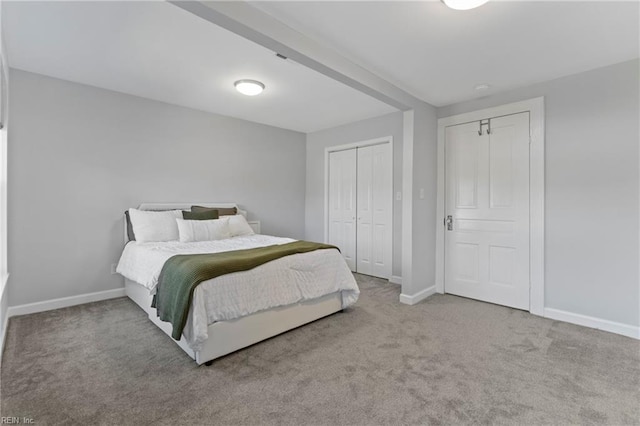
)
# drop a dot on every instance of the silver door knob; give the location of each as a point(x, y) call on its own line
point(449, 223)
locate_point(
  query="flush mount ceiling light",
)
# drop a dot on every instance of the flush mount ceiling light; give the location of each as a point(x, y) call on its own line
point(481, 87)
point(464, 4)
point(249, 87)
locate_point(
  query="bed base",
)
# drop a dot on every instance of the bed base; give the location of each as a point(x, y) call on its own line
point(229, 336)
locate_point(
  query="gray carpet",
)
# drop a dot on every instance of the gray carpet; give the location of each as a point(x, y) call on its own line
point(447, 360)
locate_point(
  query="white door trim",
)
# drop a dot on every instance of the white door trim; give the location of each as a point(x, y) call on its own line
point(330, 149)
point(535, 107)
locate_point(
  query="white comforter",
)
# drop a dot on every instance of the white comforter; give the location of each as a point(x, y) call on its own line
point(284, 281)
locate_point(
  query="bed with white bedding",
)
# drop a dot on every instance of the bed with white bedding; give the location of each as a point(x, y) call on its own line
point(235, 310)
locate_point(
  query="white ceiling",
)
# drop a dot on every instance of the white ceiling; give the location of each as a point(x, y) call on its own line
point(439, 55)
point(159, 51)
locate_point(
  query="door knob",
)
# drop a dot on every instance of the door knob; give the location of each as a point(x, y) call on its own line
point(449, 223)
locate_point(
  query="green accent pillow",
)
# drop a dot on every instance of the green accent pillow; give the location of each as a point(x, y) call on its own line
point(130, 234)
point(203, 215)
point(222, 211)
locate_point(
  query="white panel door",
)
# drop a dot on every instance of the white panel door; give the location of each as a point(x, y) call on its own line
point(364, 246)
point(374, 236)
point(487, 197)
point(342, 203)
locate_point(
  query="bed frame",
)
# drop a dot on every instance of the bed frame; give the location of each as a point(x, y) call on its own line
point(229, 336)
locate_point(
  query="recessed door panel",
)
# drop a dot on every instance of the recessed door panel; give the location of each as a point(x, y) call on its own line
point(379, 245)
point(467, 261)
point(466, 165)
point(501, 265)
point(348, 247)
point(501, 167)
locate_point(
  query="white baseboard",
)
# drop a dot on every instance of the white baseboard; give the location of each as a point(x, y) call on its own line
point(592, 322)
point(394, 279)
point(419, 296)
point(65, 302)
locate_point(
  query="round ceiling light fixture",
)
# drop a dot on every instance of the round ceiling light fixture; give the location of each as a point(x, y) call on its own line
point(481, 87)
point(249, 87)
point(464, 4)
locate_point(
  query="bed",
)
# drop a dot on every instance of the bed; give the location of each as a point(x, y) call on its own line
point(236, 310)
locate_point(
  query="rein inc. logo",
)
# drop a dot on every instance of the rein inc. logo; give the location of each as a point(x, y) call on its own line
point(16, 421)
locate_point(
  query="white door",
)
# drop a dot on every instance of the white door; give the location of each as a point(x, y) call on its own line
point(342, 203)
point(374, 236)
point(487, 197)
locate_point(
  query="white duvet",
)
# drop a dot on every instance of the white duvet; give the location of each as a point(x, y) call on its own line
point(284, 281)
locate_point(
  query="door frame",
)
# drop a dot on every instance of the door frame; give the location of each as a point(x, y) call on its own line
point(361, 144)
point(535, 107)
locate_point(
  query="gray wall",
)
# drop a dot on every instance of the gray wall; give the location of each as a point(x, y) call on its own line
point(80, 156)
point(386, 125)
point(591, 189)
point(425, 176)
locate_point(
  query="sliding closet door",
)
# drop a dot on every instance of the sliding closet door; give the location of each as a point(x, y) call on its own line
point(342, 203)
point(374, 234)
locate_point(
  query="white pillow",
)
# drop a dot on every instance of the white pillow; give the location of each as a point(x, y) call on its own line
point(203, 230)
point(149, 226)
point(238, 226)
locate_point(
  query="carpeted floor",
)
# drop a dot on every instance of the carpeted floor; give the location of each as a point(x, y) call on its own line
point(447, 360)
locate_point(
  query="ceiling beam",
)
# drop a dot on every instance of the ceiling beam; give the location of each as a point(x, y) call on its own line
point(253, 24)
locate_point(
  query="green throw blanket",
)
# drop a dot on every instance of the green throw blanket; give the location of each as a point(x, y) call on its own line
point(182, 273)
